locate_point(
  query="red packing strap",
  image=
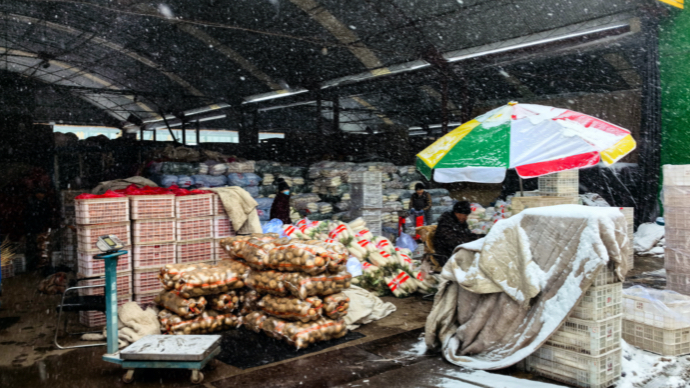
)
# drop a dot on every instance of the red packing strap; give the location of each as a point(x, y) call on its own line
point(290, 230)
point(398, 281)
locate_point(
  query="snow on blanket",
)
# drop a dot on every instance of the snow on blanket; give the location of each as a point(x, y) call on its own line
point(497, 306)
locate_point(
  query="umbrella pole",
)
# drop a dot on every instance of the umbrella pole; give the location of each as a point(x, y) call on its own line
point(522, 192)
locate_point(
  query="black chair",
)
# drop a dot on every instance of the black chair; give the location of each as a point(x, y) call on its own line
point(77, 304)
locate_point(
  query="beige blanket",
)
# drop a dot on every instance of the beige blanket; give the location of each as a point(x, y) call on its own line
point(502, 297)
point(241, 209)
point(118, 184)
point(365, 307)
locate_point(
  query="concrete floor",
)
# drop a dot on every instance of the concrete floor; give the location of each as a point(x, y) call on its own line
point(28, 357)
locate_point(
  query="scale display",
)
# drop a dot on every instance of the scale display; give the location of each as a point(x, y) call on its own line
point(109, 243)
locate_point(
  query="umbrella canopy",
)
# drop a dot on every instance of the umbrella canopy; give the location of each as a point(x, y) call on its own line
point(534, 139)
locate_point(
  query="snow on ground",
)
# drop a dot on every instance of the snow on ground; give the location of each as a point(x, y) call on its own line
point(647, 370)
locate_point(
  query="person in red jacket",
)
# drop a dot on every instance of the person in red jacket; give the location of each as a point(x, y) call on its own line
point(281, 204)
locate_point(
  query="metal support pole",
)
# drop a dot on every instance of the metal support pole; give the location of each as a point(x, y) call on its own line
point(318, 111)
point(141, 133)
point(184, 133)
point(111, 303)
point(336, 115)
point(155, 131)
point(198, 136)
point(444, 103)
point(522, 192)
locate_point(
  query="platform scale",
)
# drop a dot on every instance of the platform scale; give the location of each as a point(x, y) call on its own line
point(191, 352)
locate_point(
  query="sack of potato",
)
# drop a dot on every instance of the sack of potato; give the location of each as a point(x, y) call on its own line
point(207, 322)
point(300, 334)
point(167, 318)
point(291, 308)
point(339, 254)
point(222, 277)
point(184, 307)
point(232, 245)
point(267, 282)
point(249, 299)
point(171, 273)
point(303, 286)
point(226, 302)
point(254, 321)
point(335, 306)
point(310, 259)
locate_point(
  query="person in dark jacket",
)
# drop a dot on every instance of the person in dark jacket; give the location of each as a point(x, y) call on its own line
point(452, 230)
point(420, 204)
point(281, 204)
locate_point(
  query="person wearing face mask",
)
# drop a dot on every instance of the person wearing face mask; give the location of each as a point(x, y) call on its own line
point(281, 204)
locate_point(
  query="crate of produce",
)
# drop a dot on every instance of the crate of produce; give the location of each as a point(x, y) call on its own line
point(7, 270)
point(576, 369)
point(87, 266)
point(192, 206)
point(146, 281)
point(146, 207)
point(145, 300)
point(560, 184)
point(659, 308)
point(101, 210)
point(676, 175)
point(599, 303)
point(521, 203)
point(196, 251)
point(219, 209)
point(97, 318)
point(592, 338)
point(87, 235)
point(153, 255)
point(666, 342)
point(154, 231)
point(124, 285)
point(194, 228)
point(222, 227)
point(365, 177)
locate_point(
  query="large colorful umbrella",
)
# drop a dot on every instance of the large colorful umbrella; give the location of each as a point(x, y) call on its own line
point(534, 139)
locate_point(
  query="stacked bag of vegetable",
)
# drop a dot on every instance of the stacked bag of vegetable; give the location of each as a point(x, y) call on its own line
point(481, 220)
point(297, 284)
point(201, 298)
point(386, 269)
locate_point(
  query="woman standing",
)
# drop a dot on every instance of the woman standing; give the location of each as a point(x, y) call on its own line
point(281, 204)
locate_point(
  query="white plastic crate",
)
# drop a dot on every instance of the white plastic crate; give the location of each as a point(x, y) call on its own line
point(676, 197)
point(678, 282)
point(7, 270)
point(88, 266)
point(145, 300)
point(658, 308)
point(366, 196)
point(102, 210)
point(676, 175)
point(366, 177)
point(191, 206)
point(222, 227)
point(153, 255)
point(19, 263)
point(87, 235)
point(605, 276)
point(677, 239)
point(218, 206)
point(146, 207)
point(146, 281)
point(196, 251)
point(124, 285)
point(676, 261)
point(194, 228)
point(561, 184)
point(153, 231)
point(592, 338)
point(576, 369)
point(677, 218)
point(599, 303)
point(657, 340)
point(97, 318)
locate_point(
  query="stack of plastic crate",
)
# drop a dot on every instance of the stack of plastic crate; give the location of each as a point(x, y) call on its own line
point(366, 192)
point(19, 263)
point(560, 184)
point(677, 225)
point(629, 214)
point(97, 217)
point(222, 228)
point(194, 228)
point(586, 350)
point(7, 269)
point(154, 242)
point(657, 321)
